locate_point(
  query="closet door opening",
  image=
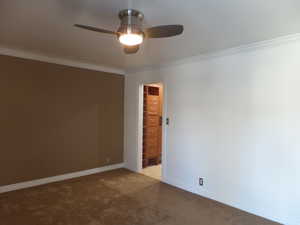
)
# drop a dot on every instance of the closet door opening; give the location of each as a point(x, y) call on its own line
point(152, 130)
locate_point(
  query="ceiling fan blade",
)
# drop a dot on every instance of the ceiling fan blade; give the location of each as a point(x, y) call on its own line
point(131, 49)
point(95, 29)
point(164, 31)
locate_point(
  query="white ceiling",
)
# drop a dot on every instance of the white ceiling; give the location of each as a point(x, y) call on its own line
point(46, 27)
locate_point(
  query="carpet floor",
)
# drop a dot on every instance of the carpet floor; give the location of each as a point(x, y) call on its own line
point(117, 197)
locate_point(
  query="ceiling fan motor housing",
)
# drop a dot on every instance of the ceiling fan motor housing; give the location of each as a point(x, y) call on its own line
point(131, 21)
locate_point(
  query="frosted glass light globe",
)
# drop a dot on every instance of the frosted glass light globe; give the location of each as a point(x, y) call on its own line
point(131, 39)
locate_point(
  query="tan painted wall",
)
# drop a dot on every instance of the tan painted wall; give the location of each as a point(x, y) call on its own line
point(56, 119)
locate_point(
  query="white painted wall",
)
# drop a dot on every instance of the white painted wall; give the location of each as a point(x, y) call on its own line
point(235, 120)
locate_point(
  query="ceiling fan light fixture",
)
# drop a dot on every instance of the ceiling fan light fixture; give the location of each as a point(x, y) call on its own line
point(131, 33)
point(131, 39)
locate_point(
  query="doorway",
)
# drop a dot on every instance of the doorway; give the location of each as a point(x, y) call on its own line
point(152, 130)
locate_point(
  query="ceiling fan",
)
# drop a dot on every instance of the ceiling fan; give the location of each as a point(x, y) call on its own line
point(130, 32)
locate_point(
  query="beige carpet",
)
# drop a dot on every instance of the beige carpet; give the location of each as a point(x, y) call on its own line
point(153, 171)
point(116, 198)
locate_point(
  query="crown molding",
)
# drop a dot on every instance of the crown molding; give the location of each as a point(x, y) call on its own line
point(200, 57)
point(60, 61)
point(226, 52)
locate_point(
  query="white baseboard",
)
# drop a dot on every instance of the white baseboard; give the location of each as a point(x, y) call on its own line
point(204, 193)
point(33, 183)
point(184, 186)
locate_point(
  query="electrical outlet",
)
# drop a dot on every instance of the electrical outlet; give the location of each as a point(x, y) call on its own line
point(201, 181)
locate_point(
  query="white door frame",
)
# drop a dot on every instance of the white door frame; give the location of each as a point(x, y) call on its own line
point(140, 128)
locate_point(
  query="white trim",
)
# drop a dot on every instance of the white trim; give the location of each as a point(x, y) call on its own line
point(59, 61)
point(85, 65)
point(204, 193)
point(229, 51)
point(67, 176)
point(140, 129)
